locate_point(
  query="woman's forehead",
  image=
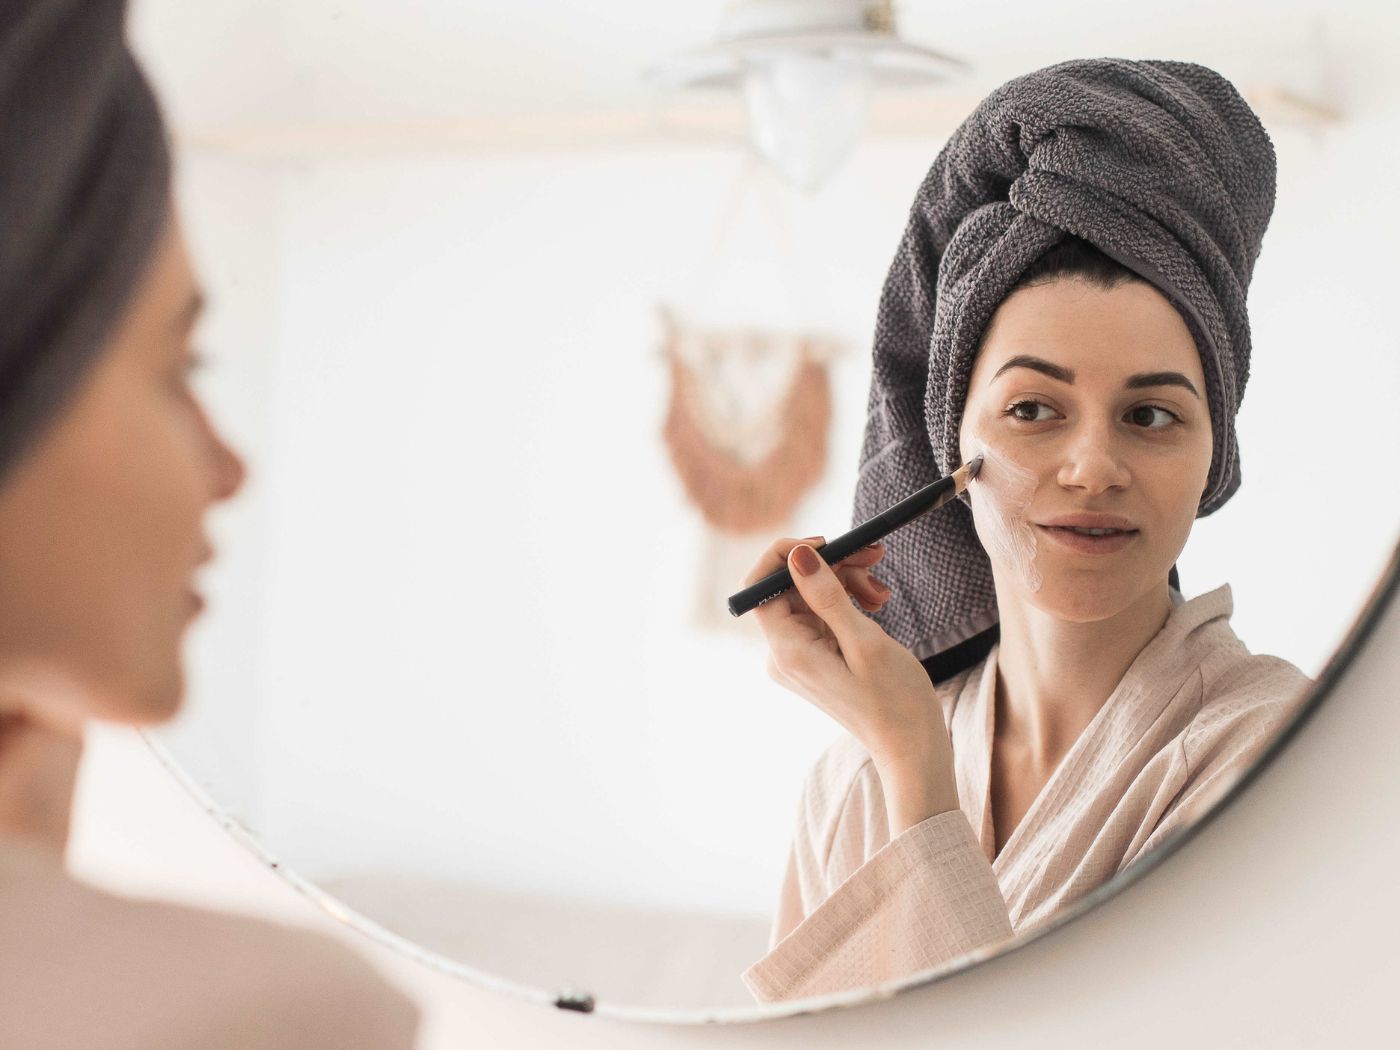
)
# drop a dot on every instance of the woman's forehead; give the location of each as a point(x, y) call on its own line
point(1094, 332)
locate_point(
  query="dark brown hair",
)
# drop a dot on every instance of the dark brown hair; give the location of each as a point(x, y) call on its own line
point(1076, 257)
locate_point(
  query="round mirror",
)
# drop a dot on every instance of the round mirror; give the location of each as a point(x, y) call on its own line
point(505, 345)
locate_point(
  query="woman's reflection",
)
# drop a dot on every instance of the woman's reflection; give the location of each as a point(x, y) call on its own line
point(997, 776)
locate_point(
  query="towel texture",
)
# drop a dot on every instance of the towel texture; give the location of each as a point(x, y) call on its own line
point(84, 183)
point(1163, 166)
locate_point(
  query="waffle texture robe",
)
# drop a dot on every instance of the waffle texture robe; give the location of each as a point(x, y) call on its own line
point(1190, 714)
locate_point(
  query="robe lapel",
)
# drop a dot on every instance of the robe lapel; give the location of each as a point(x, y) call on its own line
point(971, 731)
point(1094, 764)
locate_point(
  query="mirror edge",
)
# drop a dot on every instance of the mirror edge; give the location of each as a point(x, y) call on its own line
point(1381, 597)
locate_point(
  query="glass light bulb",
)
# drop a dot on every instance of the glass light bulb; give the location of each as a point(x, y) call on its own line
point(807, 111)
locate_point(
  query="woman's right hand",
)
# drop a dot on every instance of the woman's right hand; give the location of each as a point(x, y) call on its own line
point(845, 664)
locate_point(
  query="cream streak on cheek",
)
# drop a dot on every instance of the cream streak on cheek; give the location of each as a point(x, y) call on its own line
point(1001, 494)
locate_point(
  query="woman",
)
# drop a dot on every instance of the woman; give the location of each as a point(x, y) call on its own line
point(1034, 705)
point(108, 464)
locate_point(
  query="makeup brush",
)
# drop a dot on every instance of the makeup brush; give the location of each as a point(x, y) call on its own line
point(930, 497)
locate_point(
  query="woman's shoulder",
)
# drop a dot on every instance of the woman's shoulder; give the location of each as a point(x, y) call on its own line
point(843, 810)
point(1244, 697)
point(844, 761)
point(1232, 676)
point(150, 969)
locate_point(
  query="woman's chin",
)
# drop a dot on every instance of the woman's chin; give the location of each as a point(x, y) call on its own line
point(1082, 597)
point(165, 700)
point(151, 701)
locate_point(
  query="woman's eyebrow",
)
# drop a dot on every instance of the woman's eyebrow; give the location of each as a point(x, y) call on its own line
point(1162, 379)
point(1065, 375)
point(1039, 364)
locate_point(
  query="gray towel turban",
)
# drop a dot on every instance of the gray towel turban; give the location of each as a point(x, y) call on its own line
point(1162, 166)
point(84, 182)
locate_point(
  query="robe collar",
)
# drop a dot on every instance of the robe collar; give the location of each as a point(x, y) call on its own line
point(1147, 686)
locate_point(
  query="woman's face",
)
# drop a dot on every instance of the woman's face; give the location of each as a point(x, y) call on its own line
point(1086, 401)
point(103, 522)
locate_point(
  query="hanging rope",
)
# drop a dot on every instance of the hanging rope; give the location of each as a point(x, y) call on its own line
point(748, 413)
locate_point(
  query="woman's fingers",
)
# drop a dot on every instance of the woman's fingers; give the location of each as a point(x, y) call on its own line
point(827, 597)
point(775, 557)
point(861, 581)
point(788, 621)
point(866, 556)
point(863, 585)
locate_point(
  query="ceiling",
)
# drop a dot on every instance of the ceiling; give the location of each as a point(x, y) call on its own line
point(261, 67)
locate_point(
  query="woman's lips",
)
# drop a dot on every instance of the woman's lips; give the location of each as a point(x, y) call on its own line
point(196, 600)
point(1076, 541)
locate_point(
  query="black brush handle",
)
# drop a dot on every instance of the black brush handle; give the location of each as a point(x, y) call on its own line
point(843, 546)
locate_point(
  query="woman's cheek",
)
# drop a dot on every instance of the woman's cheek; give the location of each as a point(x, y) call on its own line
point(1002, 495)
point(1178, 509)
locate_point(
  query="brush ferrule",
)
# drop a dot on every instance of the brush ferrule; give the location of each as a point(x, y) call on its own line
point(966, 473)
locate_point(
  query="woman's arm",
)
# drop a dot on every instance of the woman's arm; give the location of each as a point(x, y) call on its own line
point(858, 908)
point(827, 651)
point(929, 895)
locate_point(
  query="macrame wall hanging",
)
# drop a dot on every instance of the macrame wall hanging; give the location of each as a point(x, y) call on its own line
point(746, 429)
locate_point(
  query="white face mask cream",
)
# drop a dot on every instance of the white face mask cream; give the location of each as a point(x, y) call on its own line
point(1000, 496)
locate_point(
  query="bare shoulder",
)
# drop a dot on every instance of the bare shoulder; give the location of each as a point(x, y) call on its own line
point(153, 974)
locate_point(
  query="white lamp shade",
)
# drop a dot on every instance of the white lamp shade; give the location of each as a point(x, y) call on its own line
point(807, 111)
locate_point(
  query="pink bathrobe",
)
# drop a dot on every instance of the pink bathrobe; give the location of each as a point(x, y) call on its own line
point(1190, 714)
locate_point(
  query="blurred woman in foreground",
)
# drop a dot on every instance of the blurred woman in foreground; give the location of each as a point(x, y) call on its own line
point(108, 464)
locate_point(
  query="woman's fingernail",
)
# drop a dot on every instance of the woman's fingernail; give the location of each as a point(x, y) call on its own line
point(880, 585)
point(805, 559)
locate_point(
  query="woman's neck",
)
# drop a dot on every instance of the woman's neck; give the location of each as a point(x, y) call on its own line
point(38, 770)
point(1054, 675)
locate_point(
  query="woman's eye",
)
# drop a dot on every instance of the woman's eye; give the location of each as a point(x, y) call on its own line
point(1142, 415)
point(1018, 409)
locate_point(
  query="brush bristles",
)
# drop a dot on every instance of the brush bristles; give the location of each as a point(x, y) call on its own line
point(966, 473)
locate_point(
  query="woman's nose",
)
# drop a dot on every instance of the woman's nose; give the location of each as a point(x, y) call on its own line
point(230, 470)
point(1094, 463)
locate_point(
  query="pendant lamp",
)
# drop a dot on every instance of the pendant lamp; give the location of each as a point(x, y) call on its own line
point(807, 70)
